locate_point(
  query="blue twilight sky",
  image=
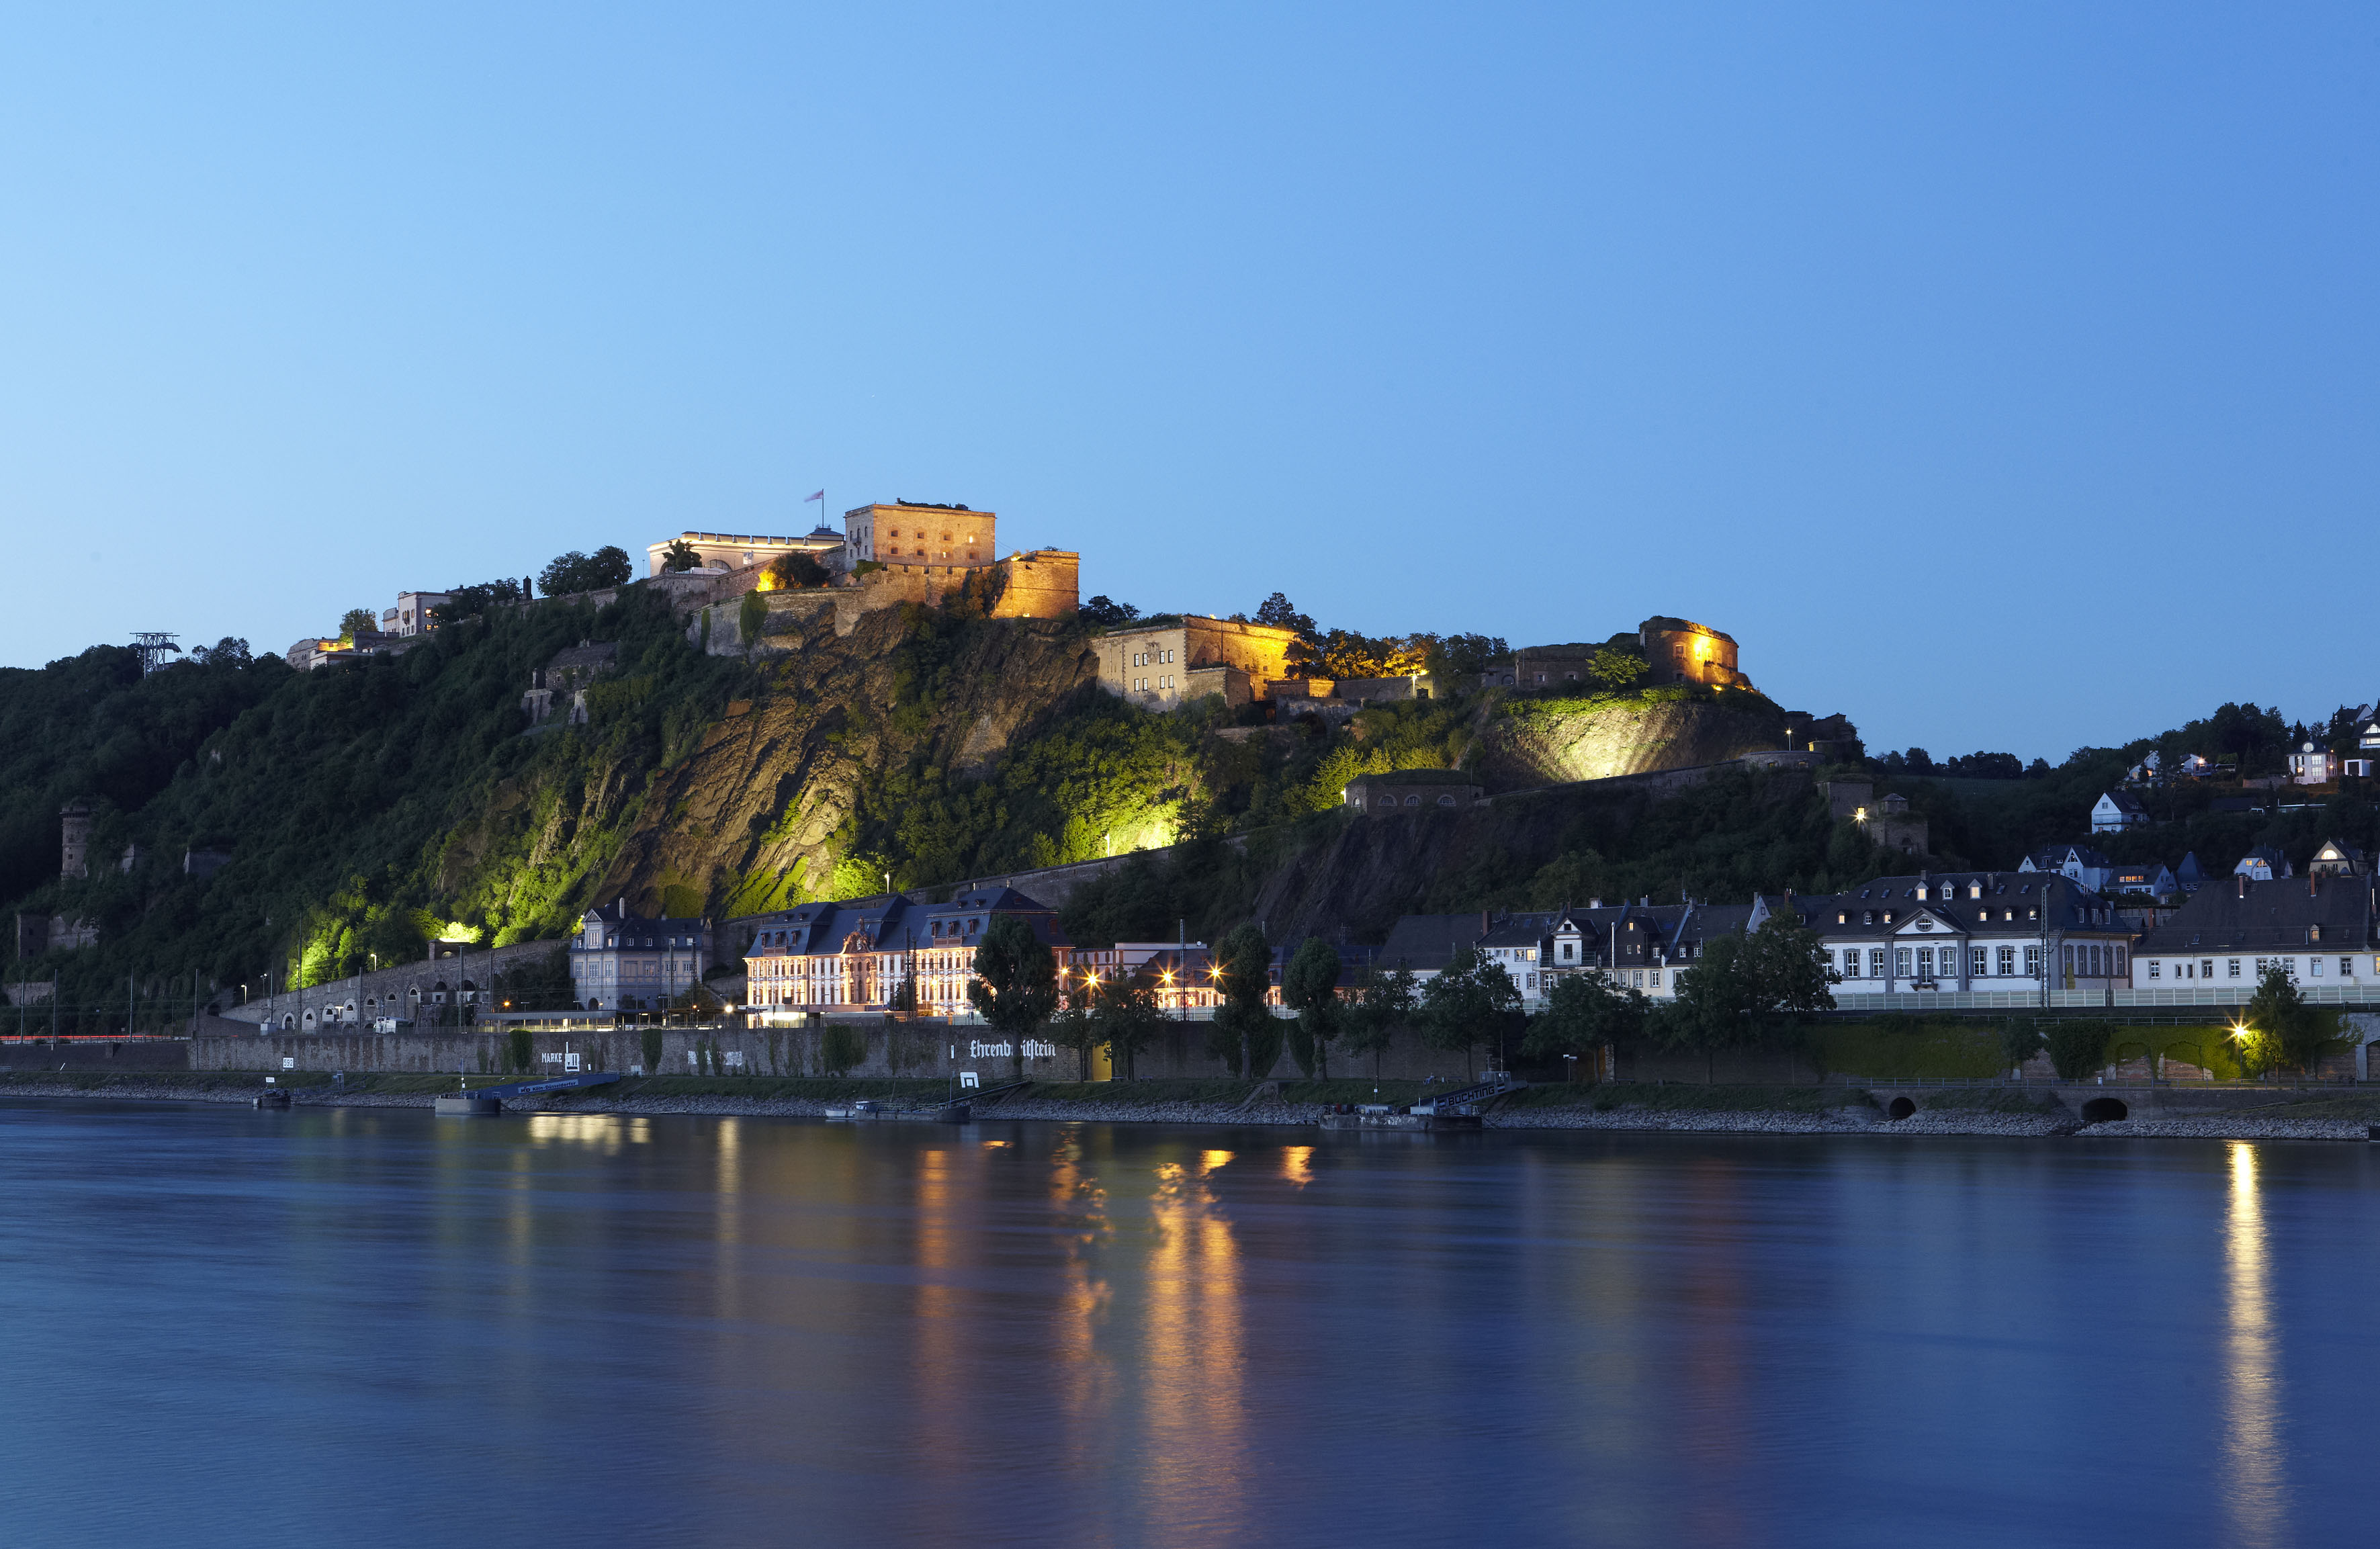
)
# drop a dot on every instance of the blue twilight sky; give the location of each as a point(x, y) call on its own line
point(2002, 376)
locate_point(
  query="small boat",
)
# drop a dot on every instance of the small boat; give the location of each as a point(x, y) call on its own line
point(274, 1099)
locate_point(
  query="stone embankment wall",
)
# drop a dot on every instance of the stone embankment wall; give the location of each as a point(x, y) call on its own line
point(479, 964)
point(95, 1054)
point(923, 1047)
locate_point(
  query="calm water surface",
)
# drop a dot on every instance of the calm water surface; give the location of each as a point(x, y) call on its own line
point(374, 1326)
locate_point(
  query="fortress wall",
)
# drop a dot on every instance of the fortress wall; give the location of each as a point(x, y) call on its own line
point(1043, 584)
point(478, 965)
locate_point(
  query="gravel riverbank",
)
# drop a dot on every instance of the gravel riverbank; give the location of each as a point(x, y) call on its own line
point(2247, 1125)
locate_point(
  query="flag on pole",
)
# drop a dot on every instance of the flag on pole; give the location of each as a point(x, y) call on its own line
point(821, 496)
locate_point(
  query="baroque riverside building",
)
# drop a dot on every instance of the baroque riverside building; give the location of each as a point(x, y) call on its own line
point(857, 955)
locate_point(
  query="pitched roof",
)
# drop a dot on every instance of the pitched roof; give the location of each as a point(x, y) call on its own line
point(2003, 892)
point(2247, 916)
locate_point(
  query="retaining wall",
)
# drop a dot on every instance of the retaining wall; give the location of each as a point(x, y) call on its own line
point(478, 965)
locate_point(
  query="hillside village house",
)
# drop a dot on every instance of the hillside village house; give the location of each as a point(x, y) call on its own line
point(2312, 764)
point(2319, 929)
point(2076, 863)
point(2264, 864)
point(2153, 878)
point(2335, 859)
point(624, 962)
point(1640, 945)
point(1165, 664)
point(411, 614)
point(2114, 812)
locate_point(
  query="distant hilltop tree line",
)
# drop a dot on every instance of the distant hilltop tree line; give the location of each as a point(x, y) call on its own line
point(2245, 740)
point(564, 575)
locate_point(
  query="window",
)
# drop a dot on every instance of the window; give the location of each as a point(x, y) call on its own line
point(1925, 962)
point(1851, 962)
point(2033, 961)
point(1876, 962)
point(1900, 961)
point(1656, 978)
point(1867, 916)
point(2317, 966)
point(2235, 969)
point(2008, 960)
point(2346, 968)
point(1975, 966)
point(2154, 966)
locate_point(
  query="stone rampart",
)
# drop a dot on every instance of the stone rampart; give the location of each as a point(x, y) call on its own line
point(372, 994)
point(1045, 583)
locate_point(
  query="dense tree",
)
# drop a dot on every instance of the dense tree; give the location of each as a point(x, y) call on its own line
point(1386, 1004)
point(2019, 1041)
point(354, 622)
point(680, 555)
point(1471, 1001)
point(1616, 668)
point(2282, 1031)
point(574, 572)
point(1744, 991)
point(2078, 1048)
point(1016, 983)
point(1584, 1012)
point(1124, 1018)
point(1279, 612)
point(1309, 986)
point(792, 572)
point(1454, 658)
point(464, 603)
point(1102, 613)
point(1244, 1033)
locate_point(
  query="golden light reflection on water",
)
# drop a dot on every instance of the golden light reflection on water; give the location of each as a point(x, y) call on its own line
point(1085, 1380)
point(2252, 1379)
point(1297, 1164)
point(1194, 1346)
point(608, 1131)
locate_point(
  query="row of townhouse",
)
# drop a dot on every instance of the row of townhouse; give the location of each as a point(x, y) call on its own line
point(1950, 931)
point(1966, 931)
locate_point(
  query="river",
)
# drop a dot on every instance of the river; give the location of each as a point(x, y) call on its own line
point(368, 1325)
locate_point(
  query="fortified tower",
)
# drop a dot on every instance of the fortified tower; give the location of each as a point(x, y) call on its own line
point(74, 841)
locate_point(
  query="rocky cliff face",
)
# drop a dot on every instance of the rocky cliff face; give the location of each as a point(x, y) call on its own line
point(747, 819)
point(1540, 849)
point(745, 814)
